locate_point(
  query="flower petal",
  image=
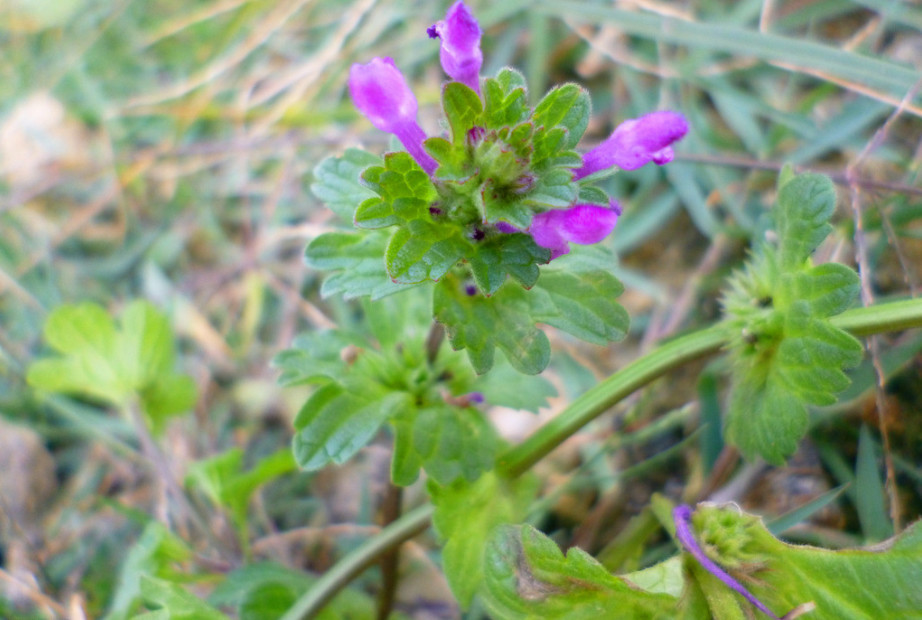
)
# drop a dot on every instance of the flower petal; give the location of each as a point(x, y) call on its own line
point(460, 51)
point(382, 95)
point(636, 142)
point(582, 224)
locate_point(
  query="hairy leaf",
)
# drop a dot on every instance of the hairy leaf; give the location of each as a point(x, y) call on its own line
point(337, 181)
point(478, 324)
point(335, 423)
point(802, 214)
point(528, 577)
point(463, 110)
point(580, 303)
point(423, 251)
point(357, 260)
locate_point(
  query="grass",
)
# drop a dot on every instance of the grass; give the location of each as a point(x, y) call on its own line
point(163, 150)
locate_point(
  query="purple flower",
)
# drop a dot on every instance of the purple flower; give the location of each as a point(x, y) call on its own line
point(381, 93)
point(681, 515)
point(636, 142)
point(460, 53)
point(583, 224)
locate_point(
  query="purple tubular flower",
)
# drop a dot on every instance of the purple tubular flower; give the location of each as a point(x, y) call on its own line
point(381, 93)
point(460, 53)
point(681, 515)
point(636, 142)
point(583, 224)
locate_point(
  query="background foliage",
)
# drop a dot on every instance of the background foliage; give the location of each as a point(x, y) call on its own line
point(163, 150)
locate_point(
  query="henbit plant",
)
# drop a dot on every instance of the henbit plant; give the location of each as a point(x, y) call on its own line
point(482, 221)
point(484, 233)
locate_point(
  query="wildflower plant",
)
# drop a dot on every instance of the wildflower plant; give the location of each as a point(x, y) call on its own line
point(478, 232)
point(481, 214)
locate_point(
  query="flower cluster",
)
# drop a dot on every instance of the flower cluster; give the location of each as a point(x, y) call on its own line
point(381, 93)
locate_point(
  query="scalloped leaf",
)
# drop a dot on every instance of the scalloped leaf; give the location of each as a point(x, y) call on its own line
point(515, 254)
point(581, 303)
point(357, 262)
point(423, 251)
point(335, 423)
point(479, 324)
point(337, 184)
point(804, 206)
point(463, 109)
point(529, 578)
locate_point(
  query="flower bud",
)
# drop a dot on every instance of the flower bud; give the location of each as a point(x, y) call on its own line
point(636, 142)
point(382, 95)
point(460, 52)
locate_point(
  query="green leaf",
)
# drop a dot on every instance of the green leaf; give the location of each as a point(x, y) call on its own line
point(768, 413)
point(357, 258)
point(337, 181)
point(515, 254)
point(405, 191)
point(222, 478)
point(505, 101)
point(554, 189)
point(765, 419)
point(802, 214)
point(454, 163)
point(463, 109)
point(478, 324)
point(466, 514)
point(506, 387)
point(581, 303)
point(258, 591)
point(115, 365)
point(315, 357)
point(830, 288)
point(448, 442)
point(155, 553)
point(567, 106)
point(335, 423)
point(174, 602)
point(527, 577)
point(423, 251)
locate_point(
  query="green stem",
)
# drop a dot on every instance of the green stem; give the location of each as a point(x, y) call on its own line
point(602, 396)
point(893, 316)
point(324, 589)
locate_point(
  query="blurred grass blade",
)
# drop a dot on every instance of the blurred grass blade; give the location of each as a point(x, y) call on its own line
point(791, 518)
point(874, 73)
point(869, 489)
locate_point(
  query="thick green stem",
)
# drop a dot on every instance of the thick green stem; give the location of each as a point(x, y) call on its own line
point(894, 316)
point(607, 393)
point(351, 566)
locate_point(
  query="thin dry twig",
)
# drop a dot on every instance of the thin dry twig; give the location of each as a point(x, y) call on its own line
point(867, 296)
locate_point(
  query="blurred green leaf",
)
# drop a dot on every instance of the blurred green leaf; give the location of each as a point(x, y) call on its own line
point(337, 182)
point(115, 364)
point(465, 515)
point(156, 553)
point(173, 602)
point(336, 423)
